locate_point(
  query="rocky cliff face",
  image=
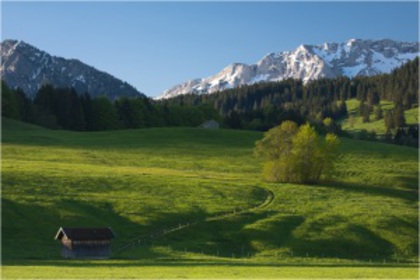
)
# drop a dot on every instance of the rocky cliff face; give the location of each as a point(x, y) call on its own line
point(28, 68)
point(308, 62)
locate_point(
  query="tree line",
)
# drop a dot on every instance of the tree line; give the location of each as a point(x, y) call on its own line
point(258, 107)
point(63, 108)
point(264, 105)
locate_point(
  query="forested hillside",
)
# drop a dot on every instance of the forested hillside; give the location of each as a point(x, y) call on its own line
point(263, 105)
point(256, 107)
point(63, 108)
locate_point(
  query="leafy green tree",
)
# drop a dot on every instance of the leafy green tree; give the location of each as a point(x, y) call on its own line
point(276, 149)
point(296, 154)
point(306, 151)
point(329, 154)
point(331, 126)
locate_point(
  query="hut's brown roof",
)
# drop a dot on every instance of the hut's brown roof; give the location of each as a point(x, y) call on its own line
point(85, 233)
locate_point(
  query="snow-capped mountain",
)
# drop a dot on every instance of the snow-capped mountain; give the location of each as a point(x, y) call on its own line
point(28, 68)
point(308, 62)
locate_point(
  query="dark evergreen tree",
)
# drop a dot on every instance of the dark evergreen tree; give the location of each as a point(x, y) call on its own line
point(399, 118)
point(9, 102)
point(378, 112)
point(389, 120)
point(86, 103)
point(77, 117)
point(104, 115)
point(233, 121)
point(26, 107)
point(45, 100)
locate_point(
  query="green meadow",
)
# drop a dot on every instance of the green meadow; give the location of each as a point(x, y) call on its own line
point(190, 203)
point(355, 123)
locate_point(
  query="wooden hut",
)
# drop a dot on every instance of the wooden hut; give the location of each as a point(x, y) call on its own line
point(211, 124)
point(85, 243)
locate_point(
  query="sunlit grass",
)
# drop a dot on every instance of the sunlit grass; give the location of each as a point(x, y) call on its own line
point(141, 181)
point(355, 123)
point(205, 270)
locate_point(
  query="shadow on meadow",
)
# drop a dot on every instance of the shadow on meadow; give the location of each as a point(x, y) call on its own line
point(409, 193)
point(248, 234)
point(141, 240)
point(410, 182)
point(350, 241)
point(233, 237)
point(29, 228)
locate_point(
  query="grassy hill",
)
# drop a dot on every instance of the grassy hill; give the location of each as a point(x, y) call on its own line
point(144, 181)
point(354, 122)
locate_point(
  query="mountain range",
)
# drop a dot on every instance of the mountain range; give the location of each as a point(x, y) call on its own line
point(28, 68)
point(355, 57)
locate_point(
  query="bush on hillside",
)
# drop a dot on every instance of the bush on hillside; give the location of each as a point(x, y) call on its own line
point(296, 154)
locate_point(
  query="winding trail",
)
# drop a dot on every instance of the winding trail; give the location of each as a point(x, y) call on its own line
point(141, 239)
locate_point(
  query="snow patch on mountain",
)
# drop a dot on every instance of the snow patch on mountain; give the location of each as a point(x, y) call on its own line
point(28, 68)
point(307, 62)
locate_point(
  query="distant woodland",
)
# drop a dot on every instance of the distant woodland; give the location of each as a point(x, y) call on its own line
point(255, 107)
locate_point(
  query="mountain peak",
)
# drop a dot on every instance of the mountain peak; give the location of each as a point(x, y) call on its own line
point(355, 57)
point(26, 67)
point(353, 40)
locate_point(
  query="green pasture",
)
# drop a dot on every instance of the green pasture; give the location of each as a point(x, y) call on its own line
point(205, 270)
point(206, 185)
point(354, 122)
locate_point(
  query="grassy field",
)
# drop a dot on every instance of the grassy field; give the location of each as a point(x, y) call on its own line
point(200, 270)
point(363, 224)
point(355, 123)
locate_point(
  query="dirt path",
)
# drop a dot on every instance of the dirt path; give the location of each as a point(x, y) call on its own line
point(141, 239)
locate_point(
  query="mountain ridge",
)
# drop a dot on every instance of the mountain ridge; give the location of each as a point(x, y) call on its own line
point(355, 57)
point(29, 68)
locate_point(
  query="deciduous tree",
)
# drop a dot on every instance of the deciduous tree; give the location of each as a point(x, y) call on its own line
point(296, 154)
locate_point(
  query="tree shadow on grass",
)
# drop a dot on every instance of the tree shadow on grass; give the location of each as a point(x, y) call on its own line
point(406, 194)
point(222, 238)
point(233, 237)
point(140, 242)
point(357, 243)
point(275, 232)
point(410, 182)
point(28, 230)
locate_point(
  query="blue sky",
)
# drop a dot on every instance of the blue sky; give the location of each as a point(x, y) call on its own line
point(155, 45)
